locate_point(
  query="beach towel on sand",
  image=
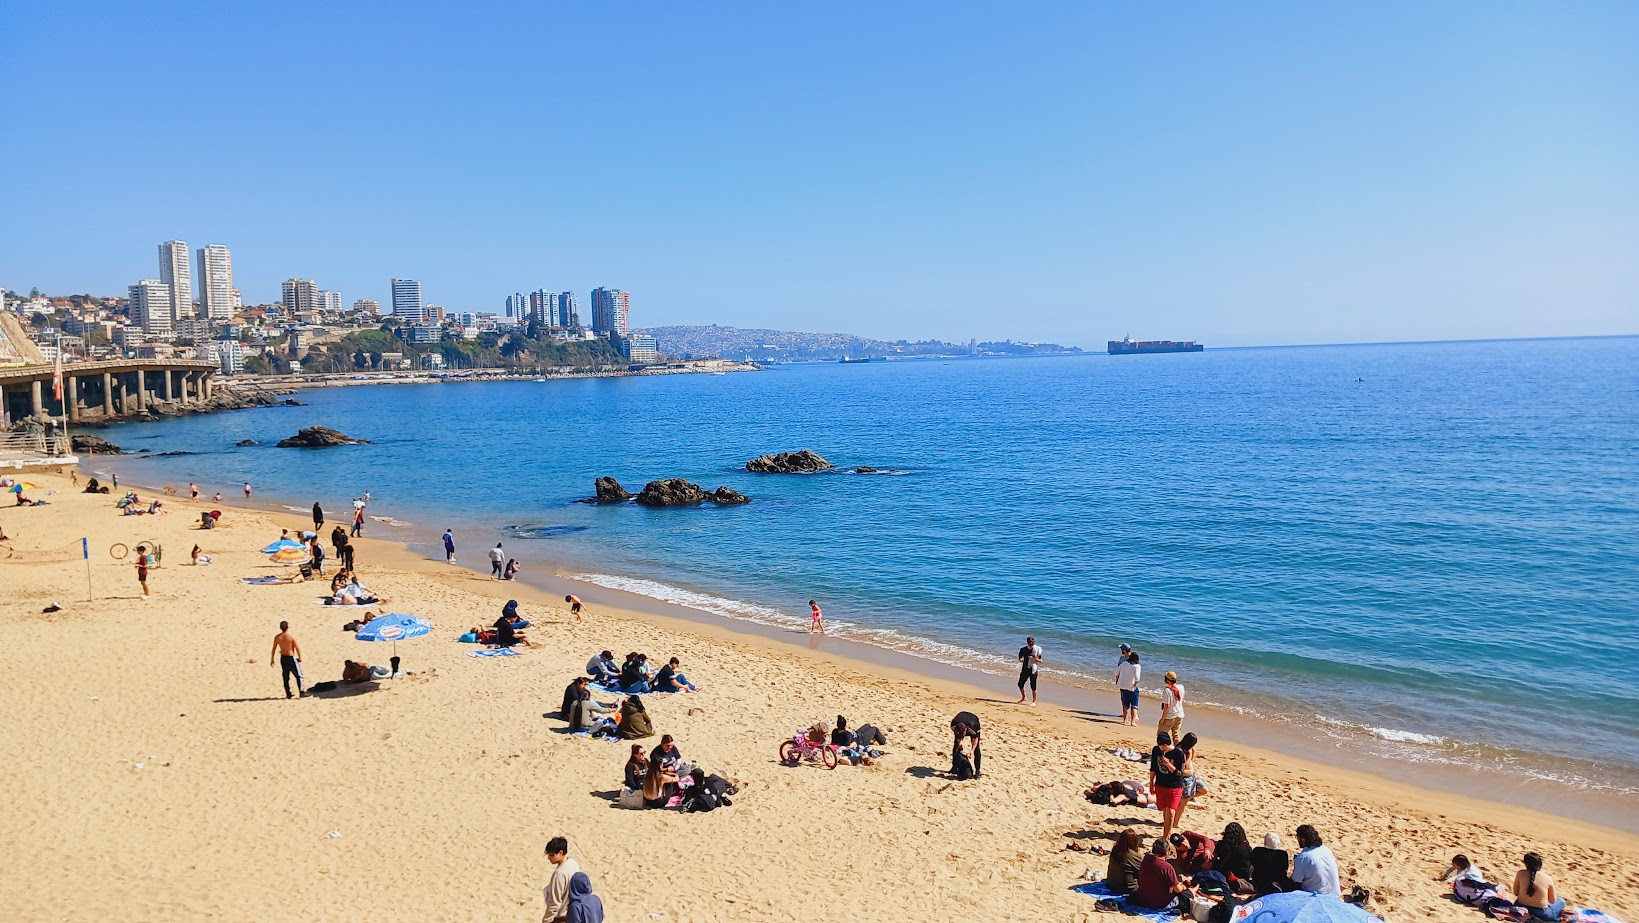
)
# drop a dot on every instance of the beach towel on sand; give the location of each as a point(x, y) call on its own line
point(616, 690)
point(496, 652)
point(1098, 890)
point(263, 581)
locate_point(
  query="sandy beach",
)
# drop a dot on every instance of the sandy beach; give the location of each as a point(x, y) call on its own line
point(156, 771)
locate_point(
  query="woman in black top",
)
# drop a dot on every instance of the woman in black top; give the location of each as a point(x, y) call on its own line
point(1233, 857)
point(840, 735)
point(637, 766)
point(1270, 867)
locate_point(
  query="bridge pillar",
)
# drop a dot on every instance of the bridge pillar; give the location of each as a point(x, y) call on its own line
point(210, 384)
point(107, 394)
point(36, 397)
point(71, 397)
point(142, 390)
point(169, 395)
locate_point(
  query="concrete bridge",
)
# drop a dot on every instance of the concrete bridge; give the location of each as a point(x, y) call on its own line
point(104, 390)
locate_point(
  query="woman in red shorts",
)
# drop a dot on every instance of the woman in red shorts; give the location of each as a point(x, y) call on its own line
point(1167, 781)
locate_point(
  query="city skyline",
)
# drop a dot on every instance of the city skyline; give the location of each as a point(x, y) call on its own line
point(1245, 176)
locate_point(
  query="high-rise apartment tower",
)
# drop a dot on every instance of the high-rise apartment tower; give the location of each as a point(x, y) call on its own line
point(176, 272)
point(407, 300)
point(215, 283)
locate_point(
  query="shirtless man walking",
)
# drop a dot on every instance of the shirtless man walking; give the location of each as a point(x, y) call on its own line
point(574, 603)
point(290, 658)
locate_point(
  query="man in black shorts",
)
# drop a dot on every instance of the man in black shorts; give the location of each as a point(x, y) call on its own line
point(1029, 668)
point(574, 605)
point(966, 726)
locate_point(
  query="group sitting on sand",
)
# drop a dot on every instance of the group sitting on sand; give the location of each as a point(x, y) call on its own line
point(1534, 893)
point(662, 779)
point(1177, 867)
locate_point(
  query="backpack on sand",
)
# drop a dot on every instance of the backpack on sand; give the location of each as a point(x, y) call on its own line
point(960, 766)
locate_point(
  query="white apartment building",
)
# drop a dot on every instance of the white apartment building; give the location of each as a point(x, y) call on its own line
point(330, 301)
point(176, 272)
point(407, 304)
point(299, 295)
point(231, 355)
point(151, 307)
point(217, 296)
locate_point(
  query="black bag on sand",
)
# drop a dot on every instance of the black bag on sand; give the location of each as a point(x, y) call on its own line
point(1223, 910)
point(960, 766)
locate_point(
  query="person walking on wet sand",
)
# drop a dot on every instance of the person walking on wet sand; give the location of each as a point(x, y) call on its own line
point(1029, 668)
point(318, 516)
point(289, 654)
point(358, 522)
point(144, 561)
point(193, 491)
point(816, 619)
point(497, 558)
point(449, 547)
point(575, 606)
point(247, 490)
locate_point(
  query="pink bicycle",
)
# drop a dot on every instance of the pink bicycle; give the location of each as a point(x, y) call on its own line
point(801, 747)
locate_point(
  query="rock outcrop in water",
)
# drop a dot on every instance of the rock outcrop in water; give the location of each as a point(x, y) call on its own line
point(319, 437)
point(608, 491)
point(678, 492)
point(245, 442)
point(95, 445)
point(865, 469)
point(802, 462)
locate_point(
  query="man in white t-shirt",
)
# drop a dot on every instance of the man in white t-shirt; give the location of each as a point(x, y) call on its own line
point(496, 558)
point(1172, 706)
point(1127, 676)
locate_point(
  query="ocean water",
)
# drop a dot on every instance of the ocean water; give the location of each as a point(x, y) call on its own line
point(1430, 551)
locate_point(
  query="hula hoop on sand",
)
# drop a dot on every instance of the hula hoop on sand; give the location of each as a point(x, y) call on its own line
point(118, 551)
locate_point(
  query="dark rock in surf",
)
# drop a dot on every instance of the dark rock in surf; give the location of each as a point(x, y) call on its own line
point(319, 437)
point(244, 442)
point(865, 469)
point(803, 462)
point(291, 402)
point(678, 492)
point(723, 495)
point(608, 491)
point(85, 442)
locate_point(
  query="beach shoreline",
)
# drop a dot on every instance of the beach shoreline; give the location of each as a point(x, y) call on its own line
point(1253, 735)
point(163, 716)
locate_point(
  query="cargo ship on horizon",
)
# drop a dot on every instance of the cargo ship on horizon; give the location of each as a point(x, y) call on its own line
point(1127, 346)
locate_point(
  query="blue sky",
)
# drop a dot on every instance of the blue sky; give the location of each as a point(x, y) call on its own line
point(1236, 173)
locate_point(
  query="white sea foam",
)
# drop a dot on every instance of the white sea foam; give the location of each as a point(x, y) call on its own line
point(396, 523)
point(1406, 737)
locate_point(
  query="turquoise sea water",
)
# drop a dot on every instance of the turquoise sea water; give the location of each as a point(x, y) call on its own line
point(1427, 549)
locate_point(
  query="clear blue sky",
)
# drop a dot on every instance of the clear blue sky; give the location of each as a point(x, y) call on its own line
point(1237, 173)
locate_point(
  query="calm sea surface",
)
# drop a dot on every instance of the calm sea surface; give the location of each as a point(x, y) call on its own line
point(1427, 549)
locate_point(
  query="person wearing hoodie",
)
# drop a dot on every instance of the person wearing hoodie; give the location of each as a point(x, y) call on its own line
point(634, 720)
point(584, 906)
point(510, 610)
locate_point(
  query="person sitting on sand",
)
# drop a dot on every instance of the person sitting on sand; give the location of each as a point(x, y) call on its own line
point(1192, 852)
point(634, 720)
point(840, 735)
point(506, 632)
point(1233, 856)
point(633, 674)
point(1269, 867)
point(659, 785)
point(670, 679)
point(1126, 858)
point(354, 672)
point(637, 766)
point(579, 708)
point(1462, 869)
point(511, 611)
point(1534, 890)
point(511, 570)
point(603, 669)
point(1118, 793)
point(667, 754)
point(1314, 868)
point(1158, 884)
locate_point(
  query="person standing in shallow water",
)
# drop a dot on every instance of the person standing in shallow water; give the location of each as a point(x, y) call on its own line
point(816, 619)
point(449, 547)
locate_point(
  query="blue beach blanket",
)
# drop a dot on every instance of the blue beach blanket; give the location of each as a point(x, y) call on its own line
point(1098, 890)
point(496, 652)
point(616, 690)
point(264, 581)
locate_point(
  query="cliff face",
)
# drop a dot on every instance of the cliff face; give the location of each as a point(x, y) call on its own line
point(15, 346)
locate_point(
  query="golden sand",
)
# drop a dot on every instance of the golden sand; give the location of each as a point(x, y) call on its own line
point(154, 771)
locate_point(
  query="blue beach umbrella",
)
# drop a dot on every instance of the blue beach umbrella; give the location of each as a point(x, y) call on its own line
point(1301, 907)
point(395, 628)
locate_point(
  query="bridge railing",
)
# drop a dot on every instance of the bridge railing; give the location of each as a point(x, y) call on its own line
point(36, 444)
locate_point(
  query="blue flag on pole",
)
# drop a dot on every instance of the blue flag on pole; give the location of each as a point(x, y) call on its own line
point(85, 548)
